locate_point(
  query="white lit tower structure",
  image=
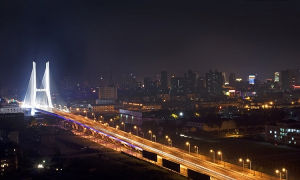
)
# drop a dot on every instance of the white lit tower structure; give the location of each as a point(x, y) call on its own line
point(38, 98)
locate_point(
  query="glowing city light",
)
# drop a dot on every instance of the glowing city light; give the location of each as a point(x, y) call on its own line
point(33, 99)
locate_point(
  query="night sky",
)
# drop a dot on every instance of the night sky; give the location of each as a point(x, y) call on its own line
point(84, 39)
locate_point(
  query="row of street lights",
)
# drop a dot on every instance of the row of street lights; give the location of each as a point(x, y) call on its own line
point(214, 154)
point(283, 172)
point(152, 135)
point(241, 160)
point(195, 147)
point(169, 141)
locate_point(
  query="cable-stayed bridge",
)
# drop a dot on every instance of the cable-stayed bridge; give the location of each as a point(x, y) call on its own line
point(40, 99)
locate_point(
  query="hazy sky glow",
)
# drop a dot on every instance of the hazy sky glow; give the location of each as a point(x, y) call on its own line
point(86, 38)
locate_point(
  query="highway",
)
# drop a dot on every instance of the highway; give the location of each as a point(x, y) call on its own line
point(191, 161)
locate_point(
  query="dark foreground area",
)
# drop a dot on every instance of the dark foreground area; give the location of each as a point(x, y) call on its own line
point(66, 156)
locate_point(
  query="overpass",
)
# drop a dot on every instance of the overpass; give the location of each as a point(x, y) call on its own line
point(184, 162)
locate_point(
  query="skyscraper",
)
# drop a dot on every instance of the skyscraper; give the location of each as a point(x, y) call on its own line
point(164, 80)
point(214, 82)
point(289, 79)
point(128, 82)
point(232, 79)
point(190, 81)
point(251, 79)
point(177, 85)
point(276, 77)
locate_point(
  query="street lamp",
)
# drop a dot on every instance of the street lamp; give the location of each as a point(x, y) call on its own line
point(221, 155)
point(123, 125)
point(150, 132)
point(242, 161)
point(117, 127)
point(85, 113)
point(167, 137)
point(141, 132)
point(278, 173)
point(154, 137)
point(214, 154)
point(112, 122)
point(189, 145)
point(170, 141)
point(137, 131)
point(284, 170)
point(249, 161)
point(196, 149)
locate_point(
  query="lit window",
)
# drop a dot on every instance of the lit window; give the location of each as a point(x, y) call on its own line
point(289, 142)
point(295, 142)
point(270, 132)
point(275, 136)
point(292, 138)
point(275, 132)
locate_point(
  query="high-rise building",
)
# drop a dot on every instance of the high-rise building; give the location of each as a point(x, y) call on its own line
point(232, 79)
point(128, 82)
point(224, 78)
point(289, 79)
point(177, 85)
point(276, 77)
point(190, 81)
point(107, 95)
point(251, 79)
point(164, 80)
point(214, 82)
point(151, 85)
point(201, 85)
point(148, 83)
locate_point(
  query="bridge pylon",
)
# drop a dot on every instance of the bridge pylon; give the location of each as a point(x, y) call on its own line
point(38, 97)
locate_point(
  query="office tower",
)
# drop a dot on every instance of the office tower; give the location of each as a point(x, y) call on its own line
point(251, 79)
point(276, 77)
point(214, 82)
point(164, 80)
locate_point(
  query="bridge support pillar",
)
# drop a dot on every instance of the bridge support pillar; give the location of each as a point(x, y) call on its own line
point(183, 170)
point(159, 160)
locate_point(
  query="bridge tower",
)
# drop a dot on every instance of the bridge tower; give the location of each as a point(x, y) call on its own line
point(38, 97)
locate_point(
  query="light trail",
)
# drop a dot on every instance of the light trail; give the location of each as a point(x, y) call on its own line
point(207, 167)
point(171, 156)
point(93, 129)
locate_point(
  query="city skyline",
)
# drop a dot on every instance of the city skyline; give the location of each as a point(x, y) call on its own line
point(142, 37)
point(150, 89)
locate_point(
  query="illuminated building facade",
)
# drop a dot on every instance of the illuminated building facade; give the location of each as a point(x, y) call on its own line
point(251, 79)
point(276, 77)
point(283, 133)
